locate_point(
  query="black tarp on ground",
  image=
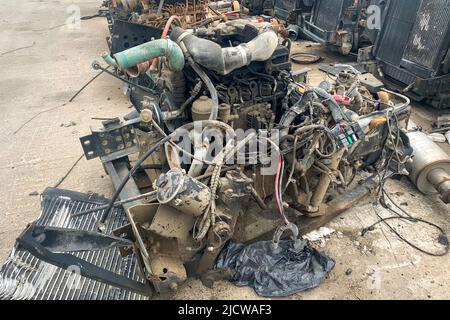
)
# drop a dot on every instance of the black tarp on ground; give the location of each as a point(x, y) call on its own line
point(291, 268)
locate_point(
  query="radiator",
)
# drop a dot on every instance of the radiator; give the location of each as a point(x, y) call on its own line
point(23, 276)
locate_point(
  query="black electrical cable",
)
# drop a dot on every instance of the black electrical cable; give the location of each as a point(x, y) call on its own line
point(97, 15)
point(87, 84)
point(211, 88)
point(208, 21)
point(442, 237)
point(96, 66)
point(128, 177)
point(62, 105)
point(150, 196)
point(68, 172)
point(382, 194)
point(194, 94)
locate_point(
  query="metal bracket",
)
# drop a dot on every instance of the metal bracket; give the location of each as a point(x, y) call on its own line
point(115, 140)
point(40, 240)
point(72, 240)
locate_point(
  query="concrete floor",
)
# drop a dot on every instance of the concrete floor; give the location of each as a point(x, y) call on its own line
point(43, 63)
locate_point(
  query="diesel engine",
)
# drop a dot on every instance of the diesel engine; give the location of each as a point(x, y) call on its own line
point(235, 145)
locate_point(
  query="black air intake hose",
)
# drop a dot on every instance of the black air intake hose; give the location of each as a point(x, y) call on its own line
point(212, 56)
point(330, 103)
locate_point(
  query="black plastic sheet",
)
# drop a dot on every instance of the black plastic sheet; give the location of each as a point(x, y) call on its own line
point(275, 272)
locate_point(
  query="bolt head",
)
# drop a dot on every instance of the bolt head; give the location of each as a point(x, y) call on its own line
point(146, 115)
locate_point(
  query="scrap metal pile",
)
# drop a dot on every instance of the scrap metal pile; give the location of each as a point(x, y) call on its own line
point(374, 30)
point(227, 142)
point(149, 13)
point(405, 43)
point(133, 22)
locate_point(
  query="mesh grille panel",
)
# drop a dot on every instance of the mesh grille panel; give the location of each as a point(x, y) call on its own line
point(428, 33)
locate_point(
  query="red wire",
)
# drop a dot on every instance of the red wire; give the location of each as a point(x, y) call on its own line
point(164, 36)
point(277, 189)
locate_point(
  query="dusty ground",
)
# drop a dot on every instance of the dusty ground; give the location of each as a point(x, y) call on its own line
point(43, 63)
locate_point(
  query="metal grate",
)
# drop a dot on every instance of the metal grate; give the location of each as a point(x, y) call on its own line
point(428, 33)
point(283, 8)
point(393, 41)
point(328, 14)
point(398, 74)
point(23, 276)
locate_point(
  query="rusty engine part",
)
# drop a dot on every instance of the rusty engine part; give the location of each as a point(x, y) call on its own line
point(339, 24)
point(133, 22)
point(345, 30)
point(151, 13)
point(228, 145)
point(356, 98)
point(190, 13)
point(305, 58)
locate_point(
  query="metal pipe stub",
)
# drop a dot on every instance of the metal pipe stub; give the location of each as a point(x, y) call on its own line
point(441, 180)
point(430, 168)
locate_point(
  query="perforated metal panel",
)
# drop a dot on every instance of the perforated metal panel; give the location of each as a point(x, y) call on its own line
point(126, 35)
